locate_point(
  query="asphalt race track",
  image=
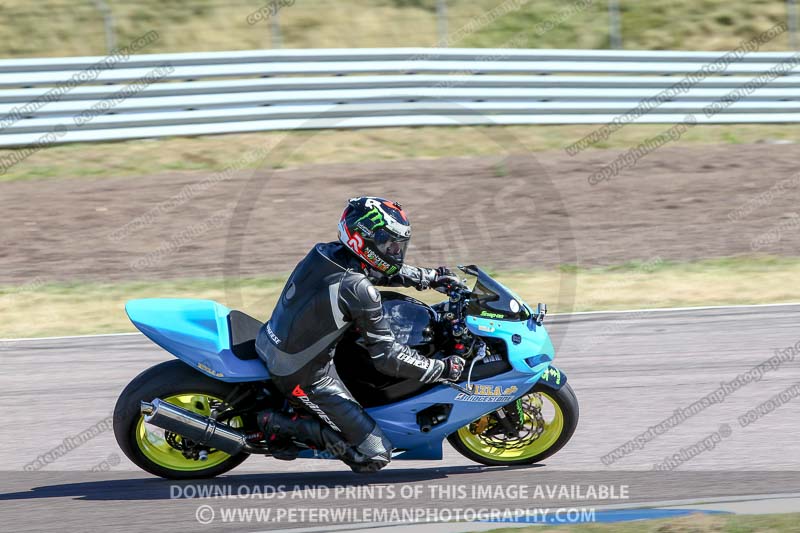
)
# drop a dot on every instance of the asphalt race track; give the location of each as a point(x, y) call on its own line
point(630, 371)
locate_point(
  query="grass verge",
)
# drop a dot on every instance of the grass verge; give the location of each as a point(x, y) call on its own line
point(297, 148)
point(62, 28)
point(88, 308)
point(696, 523)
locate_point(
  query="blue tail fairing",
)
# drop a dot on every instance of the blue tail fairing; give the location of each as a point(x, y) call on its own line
point(197, 333)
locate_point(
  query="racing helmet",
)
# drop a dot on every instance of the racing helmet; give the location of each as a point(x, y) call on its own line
point(377, 231)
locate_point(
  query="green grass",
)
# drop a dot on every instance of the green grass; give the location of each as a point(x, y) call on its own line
point(70, 27)
point(84, 308)
point(697, 523)
point(299, 148)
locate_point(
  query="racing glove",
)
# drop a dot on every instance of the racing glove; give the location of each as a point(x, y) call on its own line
point(442, 278)
point(453, 367)
point(447, 369)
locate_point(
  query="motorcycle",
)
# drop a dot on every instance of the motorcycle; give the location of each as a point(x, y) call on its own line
point(196, 417)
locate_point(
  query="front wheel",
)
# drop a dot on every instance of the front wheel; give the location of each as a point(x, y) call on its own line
point(527, 431)
point(161, 452)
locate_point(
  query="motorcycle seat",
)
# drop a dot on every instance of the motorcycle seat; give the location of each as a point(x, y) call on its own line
point(243, 331)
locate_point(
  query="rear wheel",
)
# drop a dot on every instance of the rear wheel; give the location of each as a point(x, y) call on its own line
point(543, 420)
point(161, 452)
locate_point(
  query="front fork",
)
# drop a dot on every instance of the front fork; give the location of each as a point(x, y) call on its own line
point(510, 427)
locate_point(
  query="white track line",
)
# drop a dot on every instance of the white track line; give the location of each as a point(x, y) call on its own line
point(666, 309)
point(26, 339)
point(610, 312)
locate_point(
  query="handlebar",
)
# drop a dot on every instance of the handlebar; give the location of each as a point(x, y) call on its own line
point(457, 285)
point(468, 389)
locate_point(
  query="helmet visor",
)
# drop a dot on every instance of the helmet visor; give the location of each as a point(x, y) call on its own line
point(391, 246)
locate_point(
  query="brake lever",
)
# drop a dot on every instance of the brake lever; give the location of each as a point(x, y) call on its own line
point(480, 356)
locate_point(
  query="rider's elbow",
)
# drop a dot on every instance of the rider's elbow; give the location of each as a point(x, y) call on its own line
point(384, 364)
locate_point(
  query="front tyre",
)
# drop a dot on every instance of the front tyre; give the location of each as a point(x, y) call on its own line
point(544, 420)
point(158, 451)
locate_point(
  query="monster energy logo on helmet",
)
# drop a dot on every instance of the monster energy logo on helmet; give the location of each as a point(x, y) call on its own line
point(389, 221)
point(375, 216)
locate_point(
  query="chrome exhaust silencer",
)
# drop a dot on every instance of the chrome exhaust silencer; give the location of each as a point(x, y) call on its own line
point(198, 428)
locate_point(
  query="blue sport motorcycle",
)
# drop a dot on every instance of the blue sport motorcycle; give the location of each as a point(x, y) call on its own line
point(195, 417)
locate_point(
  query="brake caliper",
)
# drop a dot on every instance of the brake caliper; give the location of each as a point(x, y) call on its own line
point(479, 426)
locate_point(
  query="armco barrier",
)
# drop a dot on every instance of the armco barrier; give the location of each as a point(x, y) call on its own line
point(226, 92)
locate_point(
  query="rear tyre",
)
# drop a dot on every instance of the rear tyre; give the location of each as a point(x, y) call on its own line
point(151, 448)
point(548, 420)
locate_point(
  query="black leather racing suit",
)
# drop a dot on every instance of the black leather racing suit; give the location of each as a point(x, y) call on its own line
point(328, 293)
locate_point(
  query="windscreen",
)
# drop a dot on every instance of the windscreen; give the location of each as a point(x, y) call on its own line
point(490, 299)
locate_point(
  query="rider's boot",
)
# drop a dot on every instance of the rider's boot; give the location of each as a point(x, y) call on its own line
point(281, 444)
point(312, 432)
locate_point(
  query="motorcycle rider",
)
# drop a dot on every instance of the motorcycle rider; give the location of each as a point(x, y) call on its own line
point(331, 290)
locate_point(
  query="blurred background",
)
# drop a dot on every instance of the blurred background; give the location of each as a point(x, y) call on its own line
point(93, 27)
point(706, 218)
